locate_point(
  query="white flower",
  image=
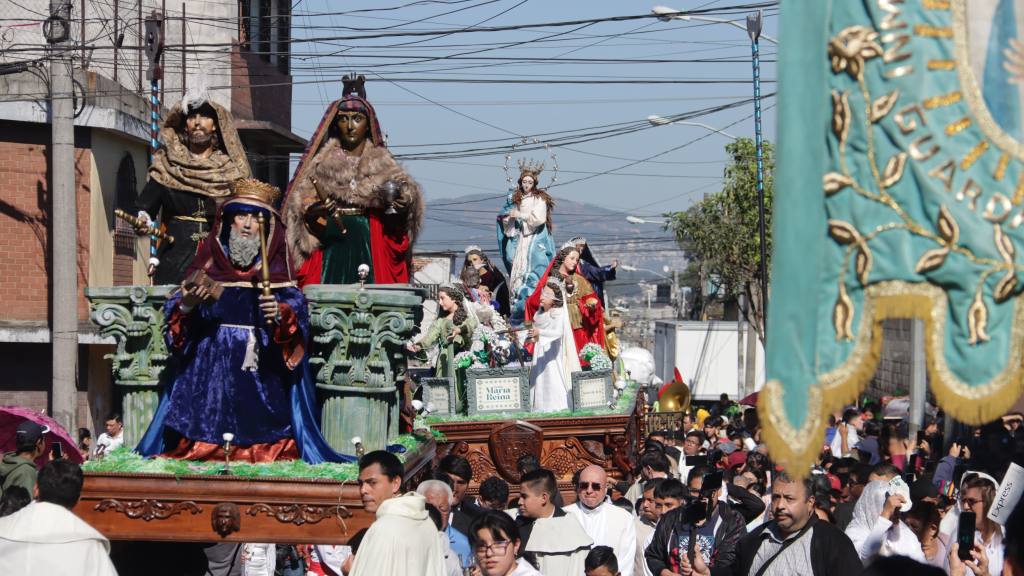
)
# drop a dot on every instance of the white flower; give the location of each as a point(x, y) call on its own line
point(227, 436)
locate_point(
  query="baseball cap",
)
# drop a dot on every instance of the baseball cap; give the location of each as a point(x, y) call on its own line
point(29, 433)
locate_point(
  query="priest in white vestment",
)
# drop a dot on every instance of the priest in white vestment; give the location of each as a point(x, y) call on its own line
point(554, 353)
point(605, 523)
point(45, 537)
point(554, 537)
point(402, 541)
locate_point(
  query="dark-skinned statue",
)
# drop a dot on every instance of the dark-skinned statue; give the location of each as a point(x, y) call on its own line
point(350, 203)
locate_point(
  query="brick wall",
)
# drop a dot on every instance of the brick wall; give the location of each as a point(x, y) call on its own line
point(24, 219)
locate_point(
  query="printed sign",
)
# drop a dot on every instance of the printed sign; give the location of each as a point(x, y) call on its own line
point(592, 390)
point(1007, 495)
point(438, 395)
point(498, 390)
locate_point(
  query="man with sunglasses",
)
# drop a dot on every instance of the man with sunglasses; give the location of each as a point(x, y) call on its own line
point(605, 523)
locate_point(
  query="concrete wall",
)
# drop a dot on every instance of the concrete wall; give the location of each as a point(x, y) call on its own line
point(108, 150)
point(894, 369)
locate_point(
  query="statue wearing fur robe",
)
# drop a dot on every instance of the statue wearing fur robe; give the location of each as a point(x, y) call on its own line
point(351, 203)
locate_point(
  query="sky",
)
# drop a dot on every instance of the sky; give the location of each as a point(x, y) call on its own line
point(434, 93)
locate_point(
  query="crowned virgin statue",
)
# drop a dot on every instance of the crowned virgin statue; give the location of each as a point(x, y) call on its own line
point(524, 236)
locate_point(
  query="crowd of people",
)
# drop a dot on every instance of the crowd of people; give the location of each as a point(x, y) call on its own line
point(706, 500)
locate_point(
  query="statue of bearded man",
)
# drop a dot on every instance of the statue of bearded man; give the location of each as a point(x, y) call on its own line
point(199, 157)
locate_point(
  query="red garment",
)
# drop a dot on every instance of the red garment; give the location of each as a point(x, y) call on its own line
point(592, 328)
point(389, 247)
point(309, 272)
point(283, 449)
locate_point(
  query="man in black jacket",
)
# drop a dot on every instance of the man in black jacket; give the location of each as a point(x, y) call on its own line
point(712, 525)
point(457, 471)
point(794, 542)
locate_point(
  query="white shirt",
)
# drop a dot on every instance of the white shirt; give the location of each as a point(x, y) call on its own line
point(609, 525)
point(852, 438)
point(107, 443)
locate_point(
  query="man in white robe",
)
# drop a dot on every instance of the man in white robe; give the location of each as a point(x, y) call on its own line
point(555, 538)
point(605, 523)
point(402, 541)
point(45, 537)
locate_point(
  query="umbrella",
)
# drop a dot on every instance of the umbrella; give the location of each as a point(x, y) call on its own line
point(750, 399)
point(12, 416)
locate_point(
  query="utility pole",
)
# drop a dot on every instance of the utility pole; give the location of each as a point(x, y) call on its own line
point(754, 31)
point(63, 219)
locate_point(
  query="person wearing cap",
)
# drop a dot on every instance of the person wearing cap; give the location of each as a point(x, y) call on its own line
point(199, 157)
point(18, 468)
point(350, 203)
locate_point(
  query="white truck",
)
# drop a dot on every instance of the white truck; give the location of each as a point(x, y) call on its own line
point(710, 356)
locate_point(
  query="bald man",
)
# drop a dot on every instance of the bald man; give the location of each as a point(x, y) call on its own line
point(605, 523)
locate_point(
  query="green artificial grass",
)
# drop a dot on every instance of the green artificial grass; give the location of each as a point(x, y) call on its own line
point(623, 405)
point(123, 460)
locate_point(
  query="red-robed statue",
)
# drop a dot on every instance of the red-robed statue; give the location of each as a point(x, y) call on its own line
point(350, 202)
point(586, 314)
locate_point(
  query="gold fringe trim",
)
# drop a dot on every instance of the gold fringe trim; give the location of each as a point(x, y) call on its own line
point(796, 450)
point(942, 65)
point(929, 31)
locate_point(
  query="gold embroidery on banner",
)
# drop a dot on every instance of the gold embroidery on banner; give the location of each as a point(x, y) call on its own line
point(970, 191)
point(944, 173)
point(944, 100)
point(972, 90)
point(935, 4)
point(898, 72)
point(905, 122)
point(929, 31)
point(997, 209)
point(894, 43)
point(974, 154)
point(954, 128)
point(915, 148)
point(889, 21)
point(1004, 161)
point(1018, 194)
point(944, 65)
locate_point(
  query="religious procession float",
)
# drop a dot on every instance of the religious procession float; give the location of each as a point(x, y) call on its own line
point(274, 346)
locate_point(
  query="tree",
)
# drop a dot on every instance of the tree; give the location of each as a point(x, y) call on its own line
point(720, 232)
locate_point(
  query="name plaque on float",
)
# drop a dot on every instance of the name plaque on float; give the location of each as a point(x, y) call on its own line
point(439, 393)
point(592, 390)
point(498, 390)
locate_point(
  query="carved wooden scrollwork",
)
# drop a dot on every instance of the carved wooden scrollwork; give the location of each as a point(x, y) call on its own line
point(483, 467)
point(566, 459)
point(147, 509)
point(299, 514)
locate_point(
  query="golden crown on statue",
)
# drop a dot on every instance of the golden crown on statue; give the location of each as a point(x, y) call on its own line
point(530, 167)
point(253, 189)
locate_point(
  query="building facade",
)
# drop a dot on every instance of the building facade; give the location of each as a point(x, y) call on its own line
point(238, 51)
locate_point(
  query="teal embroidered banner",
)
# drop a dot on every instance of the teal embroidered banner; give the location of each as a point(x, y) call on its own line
point(900, 194)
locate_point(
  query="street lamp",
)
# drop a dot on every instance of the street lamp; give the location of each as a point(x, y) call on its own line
point(665, 14)
point(662, 121)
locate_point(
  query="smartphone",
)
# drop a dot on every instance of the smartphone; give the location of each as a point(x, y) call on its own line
point(920, 437)
point(55, 451)
point(965, 535)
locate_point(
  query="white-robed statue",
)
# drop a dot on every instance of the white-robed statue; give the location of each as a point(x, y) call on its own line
point(524, 237)
point(554, 353)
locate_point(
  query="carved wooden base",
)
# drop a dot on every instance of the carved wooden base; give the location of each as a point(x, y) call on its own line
point(161, 507)
point(563, 445)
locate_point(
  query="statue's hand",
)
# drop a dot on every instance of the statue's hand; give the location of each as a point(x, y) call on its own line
point(269, 307)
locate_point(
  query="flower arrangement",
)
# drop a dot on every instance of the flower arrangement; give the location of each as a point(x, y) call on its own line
point(595, 357)
point(464, 360)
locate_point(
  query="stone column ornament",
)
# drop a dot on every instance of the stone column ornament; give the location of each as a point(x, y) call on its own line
point(358, 358)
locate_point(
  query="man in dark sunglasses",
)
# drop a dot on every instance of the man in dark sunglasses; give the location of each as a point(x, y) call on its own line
point(605, 523)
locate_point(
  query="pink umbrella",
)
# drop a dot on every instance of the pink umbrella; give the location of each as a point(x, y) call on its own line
point(750, 399)
point(11, 416)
